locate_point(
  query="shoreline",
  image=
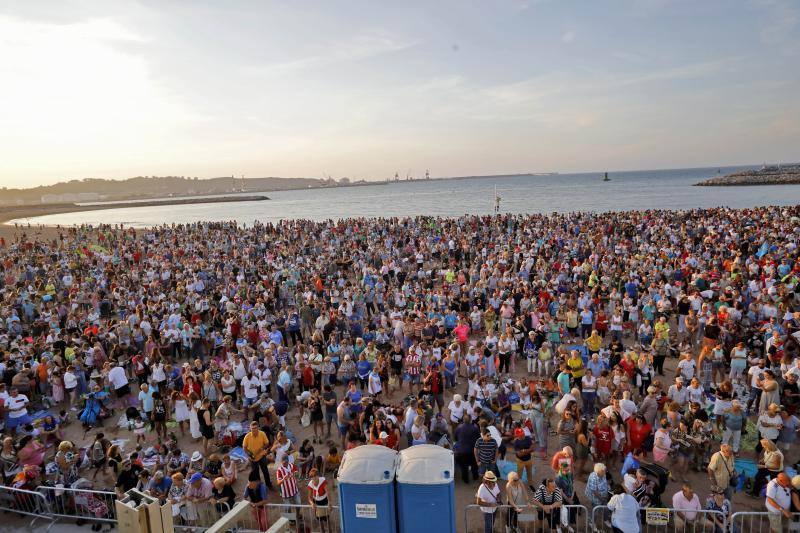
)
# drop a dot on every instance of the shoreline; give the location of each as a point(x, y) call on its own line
point(9, 213)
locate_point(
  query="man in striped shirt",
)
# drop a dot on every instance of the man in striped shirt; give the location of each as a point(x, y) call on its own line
point(548, 500)
point(486, 453)
point(412, 365)
point(287, 482)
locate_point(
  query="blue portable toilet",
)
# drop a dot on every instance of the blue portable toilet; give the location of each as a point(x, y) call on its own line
point(426, 490)
point(366, 490)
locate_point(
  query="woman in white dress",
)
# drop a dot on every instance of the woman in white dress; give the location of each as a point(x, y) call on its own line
point(181, 411)
point(194, 421)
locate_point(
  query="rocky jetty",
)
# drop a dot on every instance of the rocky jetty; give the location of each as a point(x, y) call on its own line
point(768, 175)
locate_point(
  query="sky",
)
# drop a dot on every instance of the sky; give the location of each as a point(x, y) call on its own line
point(364, 89)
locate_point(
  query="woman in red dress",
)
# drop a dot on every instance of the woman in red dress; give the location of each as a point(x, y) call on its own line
point(638, 431)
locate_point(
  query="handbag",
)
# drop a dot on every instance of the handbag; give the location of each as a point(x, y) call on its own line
point(733, 477)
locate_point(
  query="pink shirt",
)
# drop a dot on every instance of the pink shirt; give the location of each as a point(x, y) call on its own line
point(680, 502)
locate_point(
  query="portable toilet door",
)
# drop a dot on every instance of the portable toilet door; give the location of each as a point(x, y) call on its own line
point(366, 490)
point(426, 490)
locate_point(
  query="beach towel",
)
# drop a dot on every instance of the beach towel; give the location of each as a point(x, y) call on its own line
point(506, 467)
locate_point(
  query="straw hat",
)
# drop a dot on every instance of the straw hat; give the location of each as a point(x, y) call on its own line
point(489, 476)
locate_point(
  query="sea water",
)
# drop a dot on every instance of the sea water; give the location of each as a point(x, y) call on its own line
point(632, 190)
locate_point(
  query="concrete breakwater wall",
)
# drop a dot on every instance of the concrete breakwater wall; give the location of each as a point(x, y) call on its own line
point(769, 175)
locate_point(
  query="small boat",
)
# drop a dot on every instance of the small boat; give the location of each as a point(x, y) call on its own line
point(606, 178)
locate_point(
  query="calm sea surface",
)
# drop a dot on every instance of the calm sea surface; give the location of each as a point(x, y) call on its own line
point(668, 189)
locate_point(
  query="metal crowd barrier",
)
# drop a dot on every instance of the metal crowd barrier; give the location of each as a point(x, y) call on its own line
point(303, 517)
point(80, 504)
point(757, 522)
point(26, 503)
point(208, 514)
point(244, 518)
point(575, 517)
point(666, 520)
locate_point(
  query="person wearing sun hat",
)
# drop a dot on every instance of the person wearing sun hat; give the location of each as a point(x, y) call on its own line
point(718, 501)
point(488, 498)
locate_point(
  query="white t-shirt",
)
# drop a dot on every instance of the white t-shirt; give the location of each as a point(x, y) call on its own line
point(489, 496)
point(117, 377)
point(456, 411)
point(70, 381)
point(16, 406)
point(755, 373)
point(624, 513)
point(251, 387)
point(781, 496)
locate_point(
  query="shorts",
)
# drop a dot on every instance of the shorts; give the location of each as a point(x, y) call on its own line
point(247, 402)
point(342, 430)
point(330, 417)
point(412, 378)
point(12, 423)
point(123, 391)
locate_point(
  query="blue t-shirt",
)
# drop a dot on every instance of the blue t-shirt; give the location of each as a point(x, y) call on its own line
point(363, 368)
point(563, 382)
point(146, 397)
point(630, 462)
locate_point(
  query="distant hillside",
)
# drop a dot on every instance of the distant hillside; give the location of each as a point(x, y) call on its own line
point(89, 190)
point(768, 175)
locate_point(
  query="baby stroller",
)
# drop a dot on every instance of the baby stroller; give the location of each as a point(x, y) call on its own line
point(82, 502)
point(661, 477)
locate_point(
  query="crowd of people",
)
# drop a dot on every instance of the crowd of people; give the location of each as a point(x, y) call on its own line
point(494, 336)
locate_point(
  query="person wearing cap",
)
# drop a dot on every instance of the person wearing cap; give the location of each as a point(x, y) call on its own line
point(488, 498)
point(523, 451)
point(198, 493)
point(677, 393)
point(779, 501)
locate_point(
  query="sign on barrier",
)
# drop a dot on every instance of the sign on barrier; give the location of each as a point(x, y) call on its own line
point(656, 516)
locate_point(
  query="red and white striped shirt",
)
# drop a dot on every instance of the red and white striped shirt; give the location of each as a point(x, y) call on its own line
point(319, 490)
point(413, 362)
point(287, 480)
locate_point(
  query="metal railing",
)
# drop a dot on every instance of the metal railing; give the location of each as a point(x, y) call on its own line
point(304, 517)
point(531, 517)
point(80, 504)
point(757, 522)
point(26, 503)
point(665, 520)
point(246, 518)
point(195, 517)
